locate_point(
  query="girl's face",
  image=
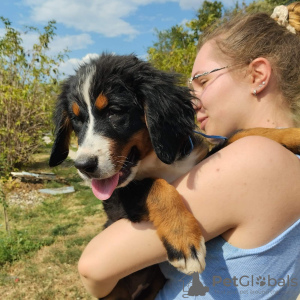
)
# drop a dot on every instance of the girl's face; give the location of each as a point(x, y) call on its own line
point(223, 104)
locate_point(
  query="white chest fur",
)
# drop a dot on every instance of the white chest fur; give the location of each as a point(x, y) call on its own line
point(152, 167)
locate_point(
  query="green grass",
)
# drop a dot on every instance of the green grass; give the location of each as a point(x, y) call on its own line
point(45, 241)
point(35, 227)
point(20, 244)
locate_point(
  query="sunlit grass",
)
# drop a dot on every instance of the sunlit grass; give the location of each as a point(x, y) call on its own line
point(46, 240)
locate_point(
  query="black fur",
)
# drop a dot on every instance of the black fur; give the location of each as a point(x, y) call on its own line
point(134, 88)
point(140, 99)
point(135, 91)
point(128, 202)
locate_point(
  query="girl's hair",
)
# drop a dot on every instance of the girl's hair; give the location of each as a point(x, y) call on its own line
point(247, 37)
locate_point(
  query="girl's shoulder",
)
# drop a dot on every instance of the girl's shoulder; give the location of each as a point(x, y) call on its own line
point(254, 152)
point(263, 181)
point(260, 163)
point(248, 185)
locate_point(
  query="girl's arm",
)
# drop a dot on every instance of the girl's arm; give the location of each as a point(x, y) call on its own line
point(240, 192)
point(118, 251)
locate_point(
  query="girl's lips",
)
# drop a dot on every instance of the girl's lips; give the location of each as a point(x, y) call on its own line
point(203, 122)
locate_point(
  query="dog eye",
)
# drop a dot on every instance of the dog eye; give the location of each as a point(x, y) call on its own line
point(114, 111)
point(76, 121)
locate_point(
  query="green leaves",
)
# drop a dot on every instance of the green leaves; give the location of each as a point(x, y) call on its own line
point(28, 86)
point(175, 48)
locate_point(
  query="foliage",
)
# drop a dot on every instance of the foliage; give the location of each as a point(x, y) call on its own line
point(175, 48)
point(28, 85)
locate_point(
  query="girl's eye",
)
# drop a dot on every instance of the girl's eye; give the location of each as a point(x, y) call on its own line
point(201, 81)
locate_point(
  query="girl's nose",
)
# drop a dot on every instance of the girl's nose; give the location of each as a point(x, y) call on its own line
point(197, 104)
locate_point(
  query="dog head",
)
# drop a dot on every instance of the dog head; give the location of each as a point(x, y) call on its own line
point(121, 109)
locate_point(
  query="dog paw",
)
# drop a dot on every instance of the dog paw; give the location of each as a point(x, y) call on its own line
point(187, 258)
point(177, 228)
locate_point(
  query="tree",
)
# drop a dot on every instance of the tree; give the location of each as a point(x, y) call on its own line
point(28, 86)
point(175, 48)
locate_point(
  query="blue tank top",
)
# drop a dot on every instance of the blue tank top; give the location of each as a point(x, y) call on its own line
point(271, 271)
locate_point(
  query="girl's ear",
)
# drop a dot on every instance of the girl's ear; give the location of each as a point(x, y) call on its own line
point(260, 72)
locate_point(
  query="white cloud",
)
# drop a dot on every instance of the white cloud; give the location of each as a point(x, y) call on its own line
point(72, 64)
point(196, 4)
point(183, 22)
point(97, 16)
point(72, 42)
point(29, 39)
point(190, 4)
point(2, 32)
point(59, 43)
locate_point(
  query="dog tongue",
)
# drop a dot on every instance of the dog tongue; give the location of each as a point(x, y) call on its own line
point(103, 188)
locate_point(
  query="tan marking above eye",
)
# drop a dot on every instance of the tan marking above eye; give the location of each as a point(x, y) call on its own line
point(76, 109)
point(101, 102)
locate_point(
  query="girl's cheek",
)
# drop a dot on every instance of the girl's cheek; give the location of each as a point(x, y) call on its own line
point(204, 95)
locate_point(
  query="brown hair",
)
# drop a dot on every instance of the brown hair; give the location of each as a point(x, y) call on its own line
point(247, 37)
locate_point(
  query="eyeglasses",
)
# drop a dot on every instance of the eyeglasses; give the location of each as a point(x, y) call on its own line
point(205, 73)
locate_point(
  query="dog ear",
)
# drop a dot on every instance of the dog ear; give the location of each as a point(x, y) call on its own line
point(169, 115)
point(60, 148)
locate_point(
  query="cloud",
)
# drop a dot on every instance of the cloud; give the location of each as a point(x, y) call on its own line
point(190, 4)
point(98, 16)
point(59, 43)
point(196, 4)
point(72, 42)
point(69, 67)
point(107, 18)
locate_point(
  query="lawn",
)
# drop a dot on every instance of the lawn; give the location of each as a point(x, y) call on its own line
point(38, 258)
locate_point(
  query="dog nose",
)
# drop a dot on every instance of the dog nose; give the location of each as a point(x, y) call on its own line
point(87, 165)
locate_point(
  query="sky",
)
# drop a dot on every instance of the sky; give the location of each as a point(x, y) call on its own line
point(90, 27)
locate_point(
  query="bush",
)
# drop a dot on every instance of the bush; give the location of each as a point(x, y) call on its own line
point(28, 86)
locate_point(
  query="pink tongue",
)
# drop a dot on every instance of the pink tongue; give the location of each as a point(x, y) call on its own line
point(103, 188)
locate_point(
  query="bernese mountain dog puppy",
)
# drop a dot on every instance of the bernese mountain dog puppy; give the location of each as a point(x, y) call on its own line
point(135, 128)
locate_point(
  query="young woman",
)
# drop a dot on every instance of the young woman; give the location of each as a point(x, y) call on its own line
point(246, 197)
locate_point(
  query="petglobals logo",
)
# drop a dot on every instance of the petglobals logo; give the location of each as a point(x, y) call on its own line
point(193, 287)
point(250, 281)
point(243, 285)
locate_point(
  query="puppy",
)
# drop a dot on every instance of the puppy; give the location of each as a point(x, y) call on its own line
point(135, 129)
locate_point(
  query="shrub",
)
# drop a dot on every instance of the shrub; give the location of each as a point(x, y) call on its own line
point(28, 86)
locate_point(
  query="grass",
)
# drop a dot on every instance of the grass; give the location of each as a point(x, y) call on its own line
point(38, 259)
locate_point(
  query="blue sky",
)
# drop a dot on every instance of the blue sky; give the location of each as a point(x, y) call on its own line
point(89, 27)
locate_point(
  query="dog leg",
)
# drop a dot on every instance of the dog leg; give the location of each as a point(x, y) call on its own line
point(288, 137)
point(177, 227)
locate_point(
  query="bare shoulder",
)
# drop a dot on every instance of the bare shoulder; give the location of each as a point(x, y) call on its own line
point(247, 185)
point(256, 151)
